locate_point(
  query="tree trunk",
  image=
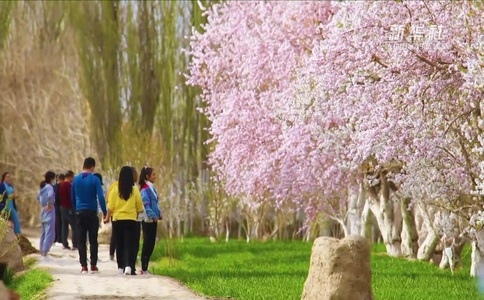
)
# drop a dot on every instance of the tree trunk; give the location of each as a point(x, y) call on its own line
point(227, 231)
point(427, 248)
point(355, 209)
point(388, 216)
point(409, 230)
point(367, 222)
point(477, 255)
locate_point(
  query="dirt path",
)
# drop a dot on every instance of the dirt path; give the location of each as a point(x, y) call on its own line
point(70, 284)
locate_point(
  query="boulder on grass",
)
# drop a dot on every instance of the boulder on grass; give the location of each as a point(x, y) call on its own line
point(10, 252)
point(26, 246)
point(339, 270)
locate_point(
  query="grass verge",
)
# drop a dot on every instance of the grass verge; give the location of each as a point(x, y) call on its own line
point(277, 270)
point(32, 284)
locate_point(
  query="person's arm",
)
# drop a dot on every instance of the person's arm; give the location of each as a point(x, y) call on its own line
point(50, 199)
point(111, 206)
point(100, 196)
point(146, 198)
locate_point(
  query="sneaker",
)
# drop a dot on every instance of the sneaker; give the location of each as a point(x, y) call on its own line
point(120, 271)
point(144, 273)
point(127, 271)
point(84, 270)
point(94, 270)
point(66, 248)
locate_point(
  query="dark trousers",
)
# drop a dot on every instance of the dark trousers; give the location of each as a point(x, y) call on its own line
point(125, 231)
point(112, 242)
point(149, 239)
point(58, 225)
point(87, 224)
point(137, 238)
point(68, 218)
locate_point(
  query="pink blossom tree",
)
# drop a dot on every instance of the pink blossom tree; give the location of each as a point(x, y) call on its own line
point(398, 101)
point(385, 112)
point(243, 62)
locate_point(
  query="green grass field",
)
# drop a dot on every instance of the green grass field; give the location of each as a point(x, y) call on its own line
point(277, 270)
point(32, 284)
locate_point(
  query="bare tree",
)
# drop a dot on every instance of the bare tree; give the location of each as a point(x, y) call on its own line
point(43, 120)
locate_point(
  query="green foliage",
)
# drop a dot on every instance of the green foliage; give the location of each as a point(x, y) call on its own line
point(32, 284)
point(143, 63)
point(8, 279)
point(99, 42)
point(278, 270)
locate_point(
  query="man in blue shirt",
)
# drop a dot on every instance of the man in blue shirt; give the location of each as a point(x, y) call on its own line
point(86, 191)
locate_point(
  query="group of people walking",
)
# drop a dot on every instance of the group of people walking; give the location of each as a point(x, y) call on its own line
point(80, 198)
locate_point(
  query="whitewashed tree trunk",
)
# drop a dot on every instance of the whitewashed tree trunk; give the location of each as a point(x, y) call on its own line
point(477, 255)
point(366, 220)
point(227, 231)
point(343, 226)
point(427, 248)
point(356, 204)
point(388, 216)
point(248, 230)
point(447, 259)
point(409, 230)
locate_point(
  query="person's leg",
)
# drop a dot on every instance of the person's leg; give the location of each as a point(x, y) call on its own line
point(149, 239)
point(50, 234)
point(58, 225)
point(112, 242)
point(75, 232)
point(130, 245)
point(65, 226)
point(42, 239)
point(136, 240)
point(93, 232)
point(118, 230)
point(81, 244)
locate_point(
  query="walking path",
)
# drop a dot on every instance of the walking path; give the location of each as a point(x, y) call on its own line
point(70, 284)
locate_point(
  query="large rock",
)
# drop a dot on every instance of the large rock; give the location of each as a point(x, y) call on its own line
point(6, 294)
point(10, 252)
point(339, 270)
point(26, 246)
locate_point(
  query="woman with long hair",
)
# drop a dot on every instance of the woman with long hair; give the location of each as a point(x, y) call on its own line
point(46, 198)
point(152, 215)
point(11, 207)
point(112, 241)
point(124, 205)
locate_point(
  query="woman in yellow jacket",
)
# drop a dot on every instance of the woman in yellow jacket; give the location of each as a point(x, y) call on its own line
point(124, 205)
